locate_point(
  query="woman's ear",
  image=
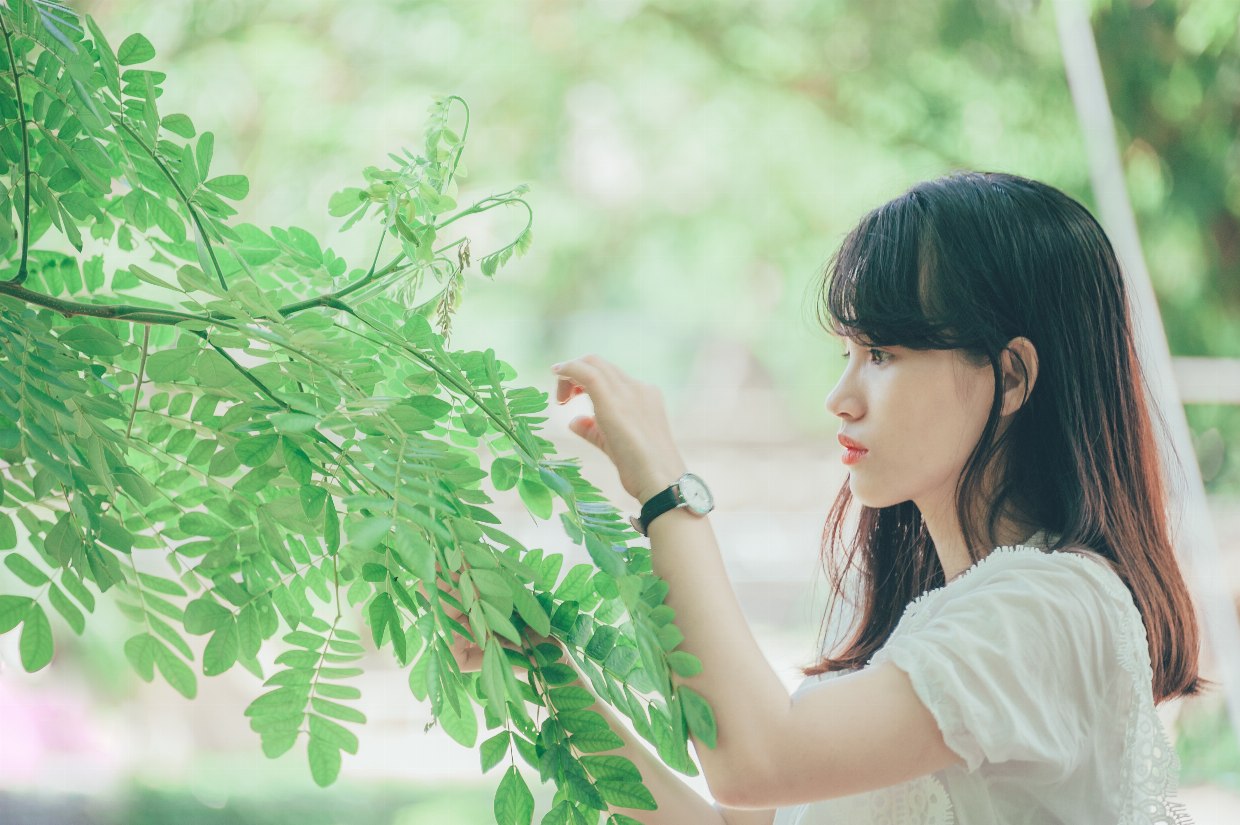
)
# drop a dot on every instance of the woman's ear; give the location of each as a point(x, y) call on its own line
point(1020, 372)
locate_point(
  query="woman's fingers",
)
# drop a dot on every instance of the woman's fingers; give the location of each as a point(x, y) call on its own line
point(587, 427)
point(583, 374)
point(629, 422)
point(467, 654)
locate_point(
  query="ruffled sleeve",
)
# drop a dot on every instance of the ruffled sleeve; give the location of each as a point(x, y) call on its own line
point(1009, 660)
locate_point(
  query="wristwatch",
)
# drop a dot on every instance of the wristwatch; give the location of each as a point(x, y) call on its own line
point(688, 491)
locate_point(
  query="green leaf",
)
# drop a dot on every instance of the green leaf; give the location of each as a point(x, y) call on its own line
point(8, 532)
point(573, 697)
point(324, 758)
point(603, 554)
point(25, 571)
point(36, 641)
point(562, 814)
point(627, 795)
point(13, 610)
point(500, 623)
point(135, 49)
point(365, 534)
point(67, 609)
point(301, 638)
point(581, 721)
point(175, 672)
point(596, 741)
point(382, 614)
point(293, 422)
point(91, 340)
point(531, 612)
point(233, 187)
point(514, 804)
point(558, 674)
point(575, 584)
point(342, 712)
point(684, 664)
point(203, 153)
point(142, 275)
point(345, 202)
point(699, 715)
point(331, 528)
point(203, 616)
point(493, 664)
point(536, 497)
point(611, 769)
point(256, 450)
point(338, 691)
point(505, 472)
point(140, 651)
point(312, 499)
point(221, 651)
point(323, 728)
point(602, 642)
point(296, 462)
point(170, 365)
point(461, 726)
point(179, 125)
point(495, 749)
point(554, 482)
point(281, 702)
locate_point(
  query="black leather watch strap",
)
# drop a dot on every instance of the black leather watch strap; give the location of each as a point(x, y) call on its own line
point(655, 506)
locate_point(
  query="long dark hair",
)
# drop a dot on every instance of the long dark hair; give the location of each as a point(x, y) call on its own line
point(968, 262)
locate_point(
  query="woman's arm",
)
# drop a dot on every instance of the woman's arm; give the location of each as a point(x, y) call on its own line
point(852, 734)
point(678, 803)
point(855, 733)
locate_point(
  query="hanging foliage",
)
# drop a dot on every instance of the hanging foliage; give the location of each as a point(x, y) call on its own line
point(237, 434)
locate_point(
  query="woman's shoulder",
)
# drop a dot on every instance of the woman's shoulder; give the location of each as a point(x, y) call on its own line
point(1020, 577)
point(1054, 565)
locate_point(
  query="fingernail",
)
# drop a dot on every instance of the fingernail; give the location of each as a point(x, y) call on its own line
point(556, 367)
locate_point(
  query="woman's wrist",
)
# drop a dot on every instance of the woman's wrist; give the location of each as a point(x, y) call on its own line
point(657, 482)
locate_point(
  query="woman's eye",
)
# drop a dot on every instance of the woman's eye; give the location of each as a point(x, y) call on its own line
point(874, 355)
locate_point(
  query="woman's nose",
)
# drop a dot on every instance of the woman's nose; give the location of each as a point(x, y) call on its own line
point(842, 400)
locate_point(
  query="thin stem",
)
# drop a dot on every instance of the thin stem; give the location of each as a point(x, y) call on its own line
point(478, 208)
point(460, 149)
point(336, 577)
point(193, 213)
point(505, 426)
point(137, 390)
point(318, 669)
point(370, 277)
point(20, 277)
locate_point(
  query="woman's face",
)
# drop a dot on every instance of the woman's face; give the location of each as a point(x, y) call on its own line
point(918, 414)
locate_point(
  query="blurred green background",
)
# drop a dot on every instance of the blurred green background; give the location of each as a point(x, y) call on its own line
point(692, 163)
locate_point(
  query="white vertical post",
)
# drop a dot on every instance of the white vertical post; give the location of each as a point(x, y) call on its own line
point(1194, 536)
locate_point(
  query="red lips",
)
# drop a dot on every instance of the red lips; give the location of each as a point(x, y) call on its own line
point(850, 444)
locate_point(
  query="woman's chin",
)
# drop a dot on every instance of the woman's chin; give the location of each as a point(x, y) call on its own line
point(863, 495)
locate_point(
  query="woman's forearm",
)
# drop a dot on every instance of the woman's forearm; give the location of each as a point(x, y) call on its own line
point(678, 803)
point(746, 694)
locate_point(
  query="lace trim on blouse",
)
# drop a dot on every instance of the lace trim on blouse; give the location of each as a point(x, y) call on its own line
point(1151, 767)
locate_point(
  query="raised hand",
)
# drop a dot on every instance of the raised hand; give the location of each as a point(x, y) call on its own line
point(629, 423)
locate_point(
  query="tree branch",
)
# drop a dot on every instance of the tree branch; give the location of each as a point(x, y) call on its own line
point(170, 317)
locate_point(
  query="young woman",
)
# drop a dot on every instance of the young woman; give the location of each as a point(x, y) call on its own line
point(1019, 610)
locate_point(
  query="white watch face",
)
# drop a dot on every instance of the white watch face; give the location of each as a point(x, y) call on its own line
point(696, 496)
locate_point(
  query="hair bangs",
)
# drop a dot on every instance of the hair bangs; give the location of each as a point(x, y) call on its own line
point(883, 285)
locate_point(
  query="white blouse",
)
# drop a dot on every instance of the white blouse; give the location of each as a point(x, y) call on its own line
point(1035, 664)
